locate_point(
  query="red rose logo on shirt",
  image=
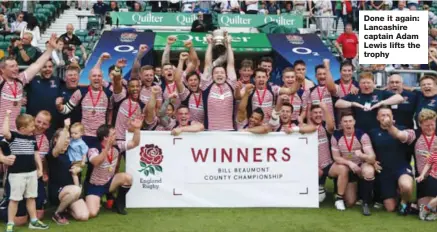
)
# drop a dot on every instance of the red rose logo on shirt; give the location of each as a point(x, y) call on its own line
point(150, 159)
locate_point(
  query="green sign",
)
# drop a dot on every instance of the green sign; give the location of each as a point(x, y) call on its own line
point(185, 19)
point(245, 20)
point(241, 42)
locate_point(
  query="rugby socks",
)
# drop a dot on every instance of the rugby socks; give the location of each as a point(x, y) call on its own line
point(120, 202)
point(33, 220)
point(366, 190)
point(322, 180)
point(338, 197)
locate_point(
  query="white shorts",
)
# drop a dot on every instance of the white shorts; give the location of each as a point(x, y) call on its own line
point(23, 184)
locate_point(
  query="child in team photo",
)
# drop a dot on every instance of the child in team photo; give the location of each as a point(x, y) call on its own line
point(77, 151)
point(25, 171)
point(429, 211)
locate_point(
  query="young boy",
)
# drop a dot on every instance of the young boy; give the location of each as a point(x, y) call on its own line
point(429, 211)
point(77, 151)
point(25, 171)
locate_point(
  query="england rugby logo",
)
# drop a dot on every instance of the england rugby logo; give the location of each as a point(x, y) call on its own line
point(150, 159)
point(128, 37)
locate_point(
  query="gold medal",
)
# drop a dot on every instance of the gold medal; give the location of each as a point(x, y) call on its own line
point(15, 103)
point(93, 112)
point(110, 169)
point(350, 156)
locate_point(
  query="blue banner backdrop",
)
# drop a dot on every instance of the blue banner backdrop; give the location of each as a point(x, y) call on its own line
point(119, 44)
point(306, 47)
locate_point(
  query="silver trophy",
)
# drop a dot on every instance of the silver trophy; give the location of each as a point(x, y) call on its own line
point(218, 41)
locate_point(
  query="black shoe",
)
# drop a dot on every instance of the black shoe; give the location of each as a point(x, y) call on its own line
point(366, 210)
point(87, 8)
point(119, 207)
point(79, 8)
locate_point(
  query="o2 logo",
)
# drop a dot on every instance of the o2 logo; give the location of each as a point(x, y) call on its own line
point(126, 48)
point(304, 51)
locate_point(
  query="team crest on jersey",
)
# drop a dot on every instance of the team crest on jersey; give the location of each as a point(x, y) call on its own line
point(53, 84)
point(375, 98)
point(295, 39)
point(128, 37)
point(432, 103)
point(406, 100)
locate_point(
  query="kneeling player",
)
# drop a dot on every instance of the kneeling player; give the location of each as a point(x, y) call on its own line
point(347, 148)
point(390, 143)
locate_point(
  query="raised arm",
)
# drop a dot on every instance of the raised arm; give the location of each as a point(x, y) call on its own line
point(178, 74)
point(151, 105)
point(166, 54)
point(330, 122)
point(207, 69)
point(136, 125)
point(135, 72)
point(193, 58)
point(242, 107)
point(117, 82)
point(99, 159)
point(330, 84)
point(230, 67)
point(103, 57)
point(35, 67)
point(62, 139)
point(6, 128)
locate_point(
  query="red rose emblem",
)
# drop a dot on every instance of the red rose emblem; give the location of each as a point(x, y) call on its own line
point(151, 154)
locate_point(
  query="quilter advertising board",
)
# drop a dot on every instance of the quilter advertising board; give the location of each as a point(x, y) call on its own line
point(223, 169)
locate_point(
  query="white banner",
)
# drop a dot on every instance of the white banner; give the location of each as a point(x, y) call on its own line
point(223, 169)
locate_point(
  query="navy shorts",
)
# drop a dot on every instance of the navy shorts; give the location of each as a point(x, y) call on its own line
point(53, 194)
point(387, 182)
point(98, 190)
point(91, 141)
point(326, 169)
point(427, 188)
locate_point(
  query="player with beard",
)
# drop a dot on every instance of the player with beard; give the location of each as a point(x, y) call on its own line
point(218, 97)
point(191, 94)
point(183, 122)
point(265, 95)
point(282, 118)
point(147, 76)
point(301, 69)
point(320, 92)
point(404, 112)
point(127, 105)
point(298, 99)
point(254, 123)
point(327, 167)
point(352, 147)
point(93, 102)
point(391, 144)
point(346, 84)
point(365, 103)
point(12, 83)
